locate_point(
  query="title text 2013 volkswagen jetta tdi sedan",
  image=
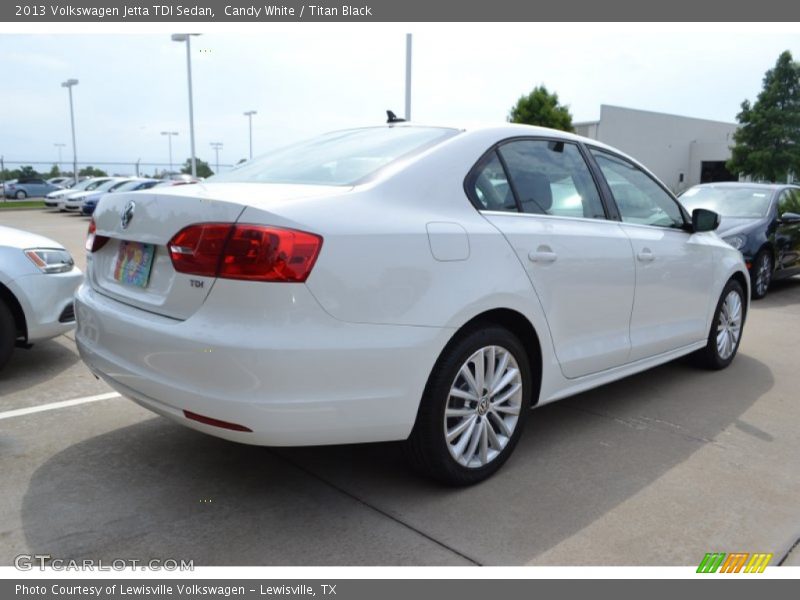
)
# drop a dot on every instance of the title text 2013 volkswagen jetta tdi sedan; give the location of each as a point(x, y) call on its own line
point(402, 283)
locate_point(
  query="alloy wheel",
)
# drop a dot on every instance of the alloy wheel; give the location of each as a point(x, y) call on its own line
point(729, 325)
point(483, 406)
point(763, 274)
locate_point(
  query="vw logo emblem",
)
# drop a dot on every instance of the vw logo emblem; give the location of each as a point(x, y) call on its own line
point(127, 214)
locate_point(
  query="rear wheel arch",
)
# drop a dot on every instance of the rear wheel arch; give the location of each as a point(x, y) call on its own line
point(10, 300)
point(769, 247)
point(515, 322)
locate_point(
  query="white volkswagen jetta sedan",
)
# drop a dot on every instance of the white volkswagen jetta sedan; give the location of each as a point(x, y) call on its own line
point(38, 279)
point(403, 282)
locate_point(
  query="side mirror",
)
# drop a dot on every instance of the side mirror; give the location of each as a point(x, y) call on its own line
point(789, 218)
point(704, 220)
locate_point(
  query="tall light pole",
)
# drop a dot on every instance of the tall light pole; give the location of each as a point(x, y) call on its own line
point(408, 77)
point(68, 84)
point(169, 135)
point(187, 37)
point(217, 146)
point(249, 114)
point(59, 146)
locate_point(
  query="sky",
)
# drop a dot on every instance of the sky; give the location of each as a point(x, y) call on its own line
point(305, 80)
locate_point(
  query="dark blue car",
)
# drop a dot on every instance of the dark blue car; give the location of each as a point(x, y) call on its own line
point(90, 202)
point(760, 220)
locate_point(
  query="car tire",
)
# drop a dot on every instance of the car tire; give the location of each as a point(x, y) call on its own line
point(8, 334)
point(726, 328)
point(459, 396)
point(21, 195)
point(762, 274)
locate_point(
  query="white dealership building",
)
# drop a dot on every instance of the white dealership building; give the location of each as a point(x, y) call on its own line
point(681, 151)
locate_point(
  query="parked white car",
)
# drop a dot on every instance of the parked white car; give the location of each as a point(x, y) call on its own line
point(403, 282)
point(52, 199)
point(38, 279)
point(74, 202)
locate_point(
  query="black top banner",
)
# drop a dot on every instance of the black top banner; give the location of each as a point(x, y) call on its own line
point(216, 11)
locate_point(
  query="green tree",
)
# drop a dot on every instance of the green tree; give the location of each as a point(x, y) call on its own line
point(203, 170)
point(90, 171)
point(540, 107)
point(27, 171)
point(54, 171)
point(767, 142)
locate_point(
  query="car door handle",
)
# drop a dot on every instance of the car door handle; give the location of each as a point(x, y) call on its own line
point(543, 254)
point(646, 255)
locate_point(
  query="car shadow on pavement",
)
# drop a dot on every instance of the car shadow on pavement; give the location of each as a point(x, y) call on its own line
point(783, 292)
point(36, 365)
point(156, 489)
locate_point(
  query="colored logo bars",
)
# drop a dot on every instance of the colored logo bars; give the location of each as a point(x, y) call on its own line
point(735, 562)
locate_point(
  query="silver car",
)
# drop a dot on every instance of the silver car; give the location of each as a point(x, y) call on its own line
point(28, 187)
point(38, 279)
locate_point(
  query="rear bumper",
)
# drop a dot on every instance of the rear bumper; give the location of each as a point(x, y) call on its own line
point(266, 357)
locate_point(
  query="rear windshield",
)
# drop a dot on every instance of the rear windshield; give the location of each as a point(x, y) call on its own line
point(338, 158)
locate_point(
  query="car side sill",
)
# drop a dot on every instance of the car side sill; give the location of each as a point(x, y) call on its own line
point(604, 377)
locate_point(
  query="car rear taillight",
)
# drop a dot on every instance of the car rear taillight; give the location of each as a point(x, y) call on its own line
point(244, 251)
point(93, 241)
point(196, 249)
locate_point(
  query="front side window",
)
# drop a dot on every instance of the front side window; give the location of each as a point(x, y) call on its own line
point(789, 201)
point(640, 199)
point(551, 178)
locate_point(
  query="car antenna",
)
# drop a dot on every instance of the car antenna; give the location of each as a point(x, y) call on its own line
point(393, 118)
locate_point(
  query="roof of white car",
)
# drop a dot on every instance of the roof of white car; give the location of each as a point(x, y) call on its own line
point(503, 130)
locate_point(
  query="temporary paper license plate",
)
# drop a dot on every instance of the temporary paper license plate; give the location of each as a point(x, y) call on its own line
point(134, 261)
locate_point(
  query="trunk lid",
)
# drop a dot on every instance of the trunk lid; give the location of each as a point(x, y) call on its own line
point(156, 217)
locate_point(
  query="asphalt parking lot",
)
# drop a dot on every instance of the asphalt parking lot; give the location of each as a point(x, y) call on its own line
point(657, 469)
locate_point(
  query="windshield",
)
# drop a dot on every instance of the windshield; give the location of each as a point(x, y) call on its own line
point(108, 185)
point(127, 186)
point(338, 158)
point(733, 202)
point(87, 184)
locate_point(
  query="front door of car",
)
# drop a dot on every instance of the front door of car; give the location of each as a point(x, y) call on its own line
point(673, 266)
point(541, 195)
point(787, 233)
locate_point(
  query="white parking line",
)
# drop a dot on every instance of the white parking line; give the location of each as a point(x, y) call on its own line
point(10, 414)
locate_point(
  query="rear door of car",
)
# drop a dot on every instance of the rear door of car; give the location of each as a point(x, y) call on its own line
point(36, 187)
point(787, 234)
point(673, 265)
point(541, 194)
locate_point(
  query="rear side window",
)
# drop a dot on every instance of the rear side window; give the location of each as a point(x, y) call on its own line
point(338, 158)
point(551, 178)
point(489, 188)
